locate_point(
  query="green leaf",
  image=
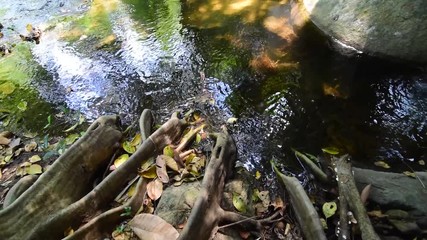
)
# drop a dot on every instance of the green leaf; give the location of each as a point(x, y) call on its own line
point(49, 122)
point(136, 140)
point(331, 150)
point(70, 139)
point(34, 169)
point(128, 147)
point(7, 88)
point(329, 209)
point(239, 203)
point(22, 106)
point(35, 158)
point(120, 160)
point(168, 151)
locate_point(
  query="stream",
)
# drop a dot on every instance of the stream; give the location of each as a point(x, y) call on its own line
point(241, 59)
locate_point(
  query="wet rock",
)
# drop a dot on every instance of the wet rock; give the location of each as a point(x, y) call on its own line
point(394, 190)
point(402, 221)
point(422, 222)
point(395, 29)
point(33, 36)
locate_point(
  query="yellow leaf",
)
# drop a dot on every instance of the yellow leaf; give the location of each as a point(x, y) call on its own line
point(20, 171)
point(68, 232)
point(331, 150)
point(257, 175)
point(136, 140)
point(30, 146)
point(128, 147)
point(168, 151)
point(29, 27)
point(132, 190)
point(421, 162)
point(239, 203)
point(381, 164)
point(34, 169)
point(149, 173)
point(171, 163)
point(35, 158)
point(120, 160)
point(198, 138)
point(329, 209)
point(410, 174)
point(70, 139)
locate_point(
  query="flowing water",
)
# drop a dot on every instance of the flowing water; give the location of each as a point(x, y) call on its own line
point(241, 58)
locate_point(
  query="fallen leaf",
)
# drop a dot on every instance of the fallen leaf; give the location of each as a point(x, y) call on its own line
point(168, 151)
point(29, 27)
point(171, 163)
point(257, 175)
point(34, 159)
point(120, 160)
point(329, 209)
point(161, 169)
point(323, 223)
point(4, 140)
point(410, 174)
point(128, 147)
point(421, 162)
point(70, 139)
point(136, 140)
point(331, 150)
point(30, 146)
point(34, 169)
point(68, 232)
point(152, 227)
point(131, 190)
point(155, 189)
point(198, 138)
point(381, 164)
point(365, 193)
point(239, 203)
point(149, 173)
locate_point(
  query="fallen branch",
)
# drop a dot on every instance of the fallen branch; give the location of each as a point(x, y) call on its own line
point(347, 186)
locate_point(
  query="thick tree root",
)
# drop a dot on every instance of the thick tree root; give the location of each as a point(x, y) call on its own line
point(307, 216)
point(62, 198)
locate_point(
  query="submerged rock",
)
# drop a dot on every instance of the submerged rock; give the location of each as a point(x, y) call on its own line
point(395, 29)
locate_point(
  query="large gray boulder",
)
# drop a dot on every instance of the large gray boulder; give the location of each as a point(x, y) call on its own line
point(396, 29)
point(395, 190)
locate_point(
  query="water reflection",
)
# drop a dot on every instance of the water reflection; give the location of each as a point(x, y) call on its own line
point(241, 58)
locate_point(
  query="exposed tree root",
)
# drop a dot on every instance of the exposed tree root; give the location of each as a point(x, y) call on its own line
point(207, 214)
point(62, 198)
point(307, 216)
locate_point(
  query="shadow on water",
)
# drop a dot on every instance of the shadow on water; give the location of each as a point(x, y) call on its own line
point(243, 59)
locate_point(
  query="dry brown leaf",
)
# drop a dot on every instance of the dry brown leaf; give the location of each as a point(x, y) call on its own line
point(155, 189)
point(30, 146)
point(152, 227)
point(365, 193)
point(161, 169)
point(4, 140)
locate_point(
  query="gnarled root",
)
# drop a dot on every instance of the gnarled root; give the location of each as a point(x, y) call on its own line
point(62, 198)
